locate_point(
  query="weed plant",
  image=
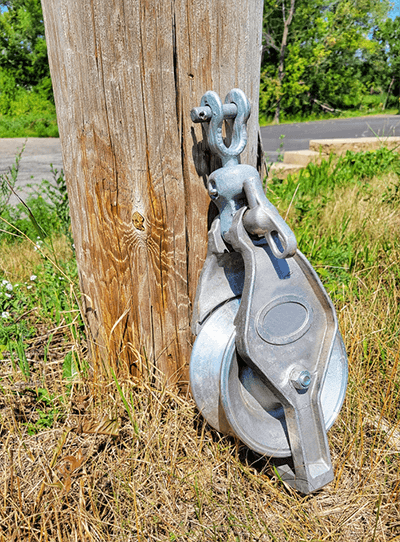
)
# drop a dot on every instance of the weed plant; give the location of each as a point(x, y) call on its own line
point(44, 214)
point(121, 460)
point(8, 181)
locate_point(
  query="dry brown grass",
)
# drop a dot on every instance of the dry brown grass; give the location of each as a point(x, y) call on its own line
point(169, 476)
point(166, 475)
point(364, 206)
point(18, 261)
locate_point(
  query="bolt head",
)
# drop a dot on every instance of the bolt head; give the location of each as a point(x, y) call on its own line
point(212, 190)
point(301, 380)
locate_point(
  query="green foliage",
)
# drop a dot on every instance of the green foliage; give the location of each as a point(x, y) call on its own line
point(44, 299)
point(26, 95)
point(352, 168)
point(387, 58)
point(130, 409)
point(17, 349)
point(43, 217)
point(56, 193)
point(47, 288)
point(70, 367)
point(8, 91)
point(392, 194)
point(23, 44)
point(43, 124)
point(20, 219)
point(330, 55)
point(338, 55)
point(26, 112)
point(47, 412)
point(17, 101)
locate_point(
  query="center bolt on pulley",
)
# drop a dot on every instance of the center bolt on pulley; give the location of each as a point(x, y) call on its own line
point(269, 364)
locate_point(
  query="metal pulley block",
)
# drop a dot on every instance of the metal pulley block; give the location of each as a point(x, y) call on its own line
point(268, 365)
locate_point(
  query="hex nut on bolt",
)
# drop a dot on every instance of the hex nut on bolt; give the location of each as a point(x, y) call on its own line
point(301, 380)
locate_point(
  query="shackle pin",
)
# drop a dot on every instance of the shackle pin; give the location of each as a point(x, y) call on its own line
point(204, 114)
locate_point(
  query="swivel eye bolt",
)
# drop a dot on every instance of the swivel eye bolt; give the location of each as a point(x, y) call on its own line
point(301, 380)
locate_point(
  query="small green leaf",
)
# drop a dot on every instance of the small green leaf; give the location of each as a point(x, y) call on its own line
point(70, 369)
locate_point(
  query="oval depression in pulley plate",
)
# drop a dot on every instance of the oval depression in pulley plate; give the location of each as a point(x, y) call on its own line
point(234, 400)
point(284, 320)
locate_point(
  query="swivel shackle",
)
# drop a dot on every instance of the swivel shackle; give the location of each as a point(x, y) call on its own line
point(235, 185)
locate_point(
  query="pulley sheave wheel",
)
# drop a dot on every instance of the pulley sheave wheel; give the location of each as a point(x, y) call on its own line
point(233, 398)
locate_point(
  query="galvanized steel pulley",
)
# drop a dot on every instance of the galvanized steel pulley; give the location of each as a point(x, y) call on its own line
point(268, 365)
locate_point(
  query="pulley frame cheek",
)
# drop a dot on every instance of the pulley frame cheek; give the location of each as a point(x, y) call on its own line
point(268, 364)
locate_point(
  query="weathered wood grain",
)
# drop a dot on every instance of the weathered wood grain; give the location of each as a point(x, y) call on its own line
point(126, 74)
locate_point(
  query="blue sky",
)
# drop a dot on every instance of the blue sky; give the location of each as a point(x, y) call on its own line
point(396, 9)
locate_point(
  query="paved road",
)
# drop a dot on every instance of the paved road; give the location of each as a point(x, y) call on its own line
point(299, 134)
point(35, 162)
point(40, 153)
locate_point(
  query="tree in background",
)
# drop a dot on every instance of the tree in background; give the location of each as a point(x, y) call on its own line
point(25, 84)
point(287, 17)
point(22, 42)
point(326, 47)
point(388, 56)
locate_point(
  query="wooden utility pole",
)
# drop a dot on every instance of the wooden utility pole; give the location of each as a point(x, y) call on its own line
point(125, 75)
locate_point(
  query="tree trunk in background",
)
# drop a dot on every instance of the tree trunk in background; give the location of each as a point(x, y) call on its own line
point(281, 74)
point(125, 75)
